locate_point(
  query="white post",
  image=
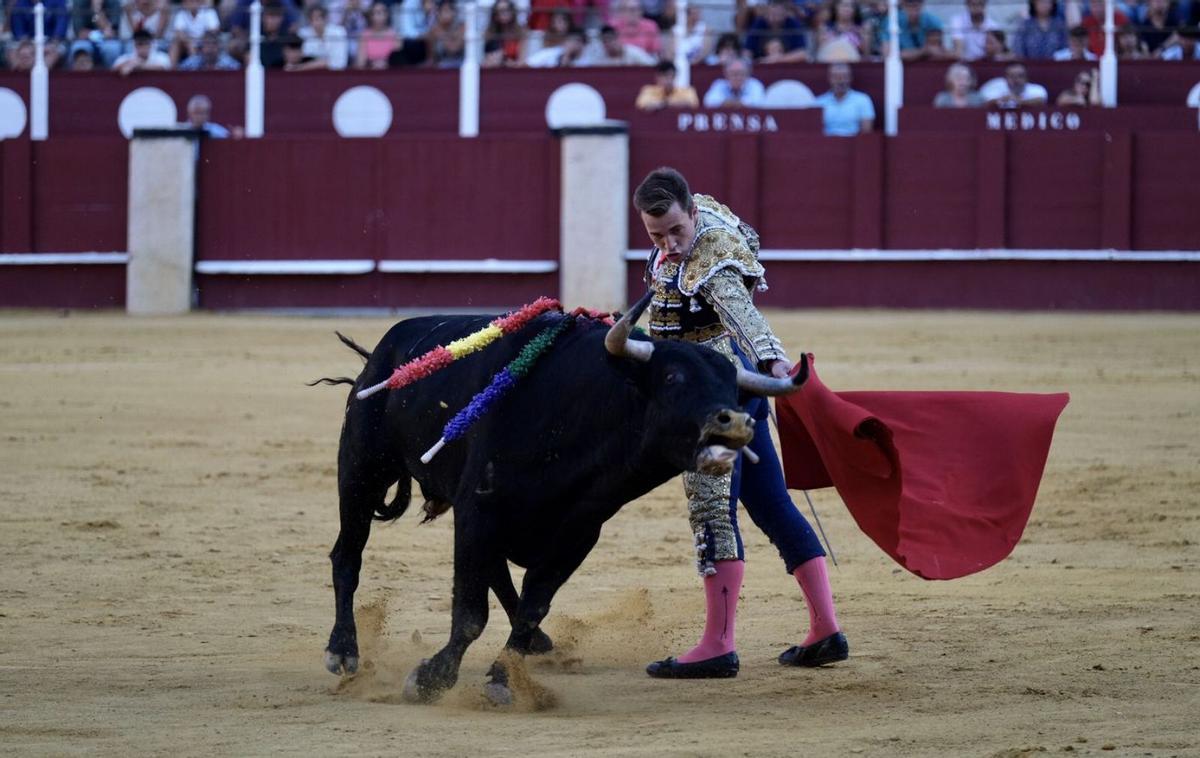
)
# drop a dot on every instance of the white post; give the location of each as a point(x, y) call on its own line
point(893, 74)
point(255, 79)
point(39, 79)
point(468, 77)
point(683, 67)
point(594, 217)
point(161, 222)
point(1108, 61)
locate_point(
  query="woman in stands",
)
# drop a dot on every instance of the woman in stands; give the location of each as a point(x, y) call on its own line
point(379, 40)
point(1042, 34)
point(445, 43)
point(505, 36)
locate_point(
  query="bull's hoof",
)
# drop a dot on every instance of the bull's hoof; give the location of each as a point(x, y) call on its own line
point(338, 664)
point(498, 694)
point(540, 643)
point(418, 688)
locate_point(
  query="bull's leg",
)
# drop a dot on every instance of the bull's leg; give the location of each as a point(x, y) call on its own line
point(356, 506)
point(541, 583)
point(506, 593)
point(474, 557)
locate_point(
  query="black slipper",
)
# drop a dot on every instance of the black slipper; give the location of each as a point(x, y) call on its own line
point(721, 667)
point(832, 649)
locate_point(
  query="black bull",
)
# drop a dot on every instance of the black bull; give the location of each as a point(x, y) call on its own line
point(533, 481)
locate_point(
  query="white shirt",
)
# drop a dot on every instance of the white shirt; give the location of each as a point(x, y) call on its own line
point(997, 89)
point(156, 59)
point(333, 48)
point(194, 27)
point(973, 37)
point(1065, 55)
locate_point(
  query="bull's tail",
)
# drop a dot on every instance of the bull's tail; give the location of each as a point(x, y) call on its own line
point(334, 380)
point(386, 511)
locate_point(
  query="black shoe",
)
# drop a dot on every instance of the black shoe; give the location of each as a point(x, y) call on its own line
point(721, 667)
point(832, 649)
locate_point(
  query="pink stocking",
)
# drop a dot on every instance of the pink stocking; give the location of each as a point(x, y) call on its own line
point(814, 583)
point(721, 597)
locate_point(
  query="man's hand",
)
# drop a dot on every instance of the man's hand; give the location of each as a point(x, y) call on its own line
point(780, 369)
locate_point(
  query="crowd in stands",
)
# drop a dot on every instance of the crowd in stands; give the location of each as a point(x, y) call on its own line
point(137, 35)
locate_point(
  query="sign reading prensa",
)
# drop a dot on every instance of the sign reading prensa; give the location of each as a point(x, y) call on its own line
point(1034, 121)
point(726, 122)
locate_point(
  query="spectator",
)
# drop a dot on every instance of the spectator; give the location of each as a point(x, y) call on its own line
point(1076, 49)
point(445, 42)
point(82, 60)
point(969, 29)
point(560, 26)
point(505, 32)
point(1083, 91)
point(695, 44)
point(776, 23)
point(569, 53)
point(1182, 46)
point(960, 89)
point(1159, 21)
point(1042, 34)
point(416, 16)
point(210, 56)
point(1130, 46)
point(144, 57)
point(846, 112)
point(663, 93)
point(55, 22)
point(737, 89)
point(915, 22)
point(324, 41)
point(379, 40)
point(274, 32)
point(239, 18)
point(843, 32)
point(1094, 23)
point(351, 15)
point(728, 48)
point(22, 55)
point(152, 16)
point(294, 58)
point(995, 48)
point(199, 113)
point(613, 52)
point(192, 20)
point(1014, 90)
point(96, 23)
point(633, 29)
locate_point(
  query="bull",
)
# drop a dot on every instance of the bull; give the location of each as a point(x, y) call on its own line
point(604, 417)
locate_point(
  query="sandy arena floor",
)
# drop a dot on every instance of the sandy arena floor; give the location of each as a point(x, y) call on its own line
point(169, 501)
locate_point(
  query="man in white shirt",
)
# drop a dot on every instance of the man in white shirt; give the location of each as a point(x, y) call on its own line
point(737, 90)
point(143, 58)
point(565, 55)
point(613, 52)
point(969, 28)
point(1014, 90)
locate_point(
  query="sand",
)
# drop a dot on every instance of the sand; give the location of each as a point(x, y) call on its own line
point(169, 500)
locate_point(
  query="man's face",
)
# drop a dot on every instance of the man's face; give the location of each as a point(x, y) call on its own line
point(672, 232)
point(912, 8)
point(612, 45)
point(736, 74)
point(141, 48)
point(272, 20)
point(210, 48)
point(976, 7)
point(775, 14)
point(839, 79)
point(573, 45)
point(198, 114)
point(1017, 77)
point(665, 79)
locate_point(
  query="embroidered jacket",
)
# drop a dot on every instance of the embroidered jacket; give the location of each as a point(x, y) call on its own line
point(707, 296)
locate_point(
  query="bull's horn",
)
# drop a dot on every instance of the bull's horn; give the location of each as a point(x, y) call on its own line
point(617, 340)
point(772, 386)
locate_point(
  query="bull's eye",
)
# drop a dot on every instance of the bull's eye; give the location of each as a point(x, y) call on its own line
point(674, 377)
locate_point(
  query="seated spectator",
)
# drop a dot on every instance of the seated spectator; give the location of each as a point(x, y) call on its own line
point(995, 48)
point(1042, 34)
point(634, 29)
point(1014, 90)
point(379, 40)
point(21, 56)
point(935, 48)
point(560, 25)
point(1076, 49)
point(569, 53)
point(192, 20)
point(274, 32)
point(1182, 46)
point(1159, 21)
point(969, 30)
point(416, 16)
point(143, 58)
point(351, 15)
point(728, 47)
point(843, 32)
point(613, 52)
point(210, 56)
point(1130, 46)
point(96, 22)
point(239, 17)
point(915, 23)
point(199, 113)
point(54, 24)
point(445, 43)
point(1084, 91)
point(737, 89)
point(846, 112)
point(776, 23)
point(82, 59)
point(1094, 23)
point(663, 93)
point(294, 58)
point(960, 89)
point(324, 41)
point(506, 34)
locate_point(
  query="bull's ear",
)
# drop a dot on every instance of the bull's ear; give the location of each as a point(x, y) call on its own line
point(636, 373)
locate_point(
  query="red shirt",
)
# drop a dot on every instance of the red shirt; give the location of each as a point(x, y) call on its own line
point(1095, 27)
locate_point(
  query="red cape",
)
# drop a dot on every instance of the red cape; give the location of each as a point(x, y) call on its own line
point(943, 482)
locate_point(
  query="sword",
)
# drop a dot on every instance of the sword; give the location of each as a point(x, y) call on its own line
point(811, 507)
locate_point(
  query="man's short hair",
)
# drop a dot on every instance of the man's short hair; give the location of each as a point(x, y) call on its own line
point(141, 35)
point(664, 67)
point(608, 31)
point(662, 188)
